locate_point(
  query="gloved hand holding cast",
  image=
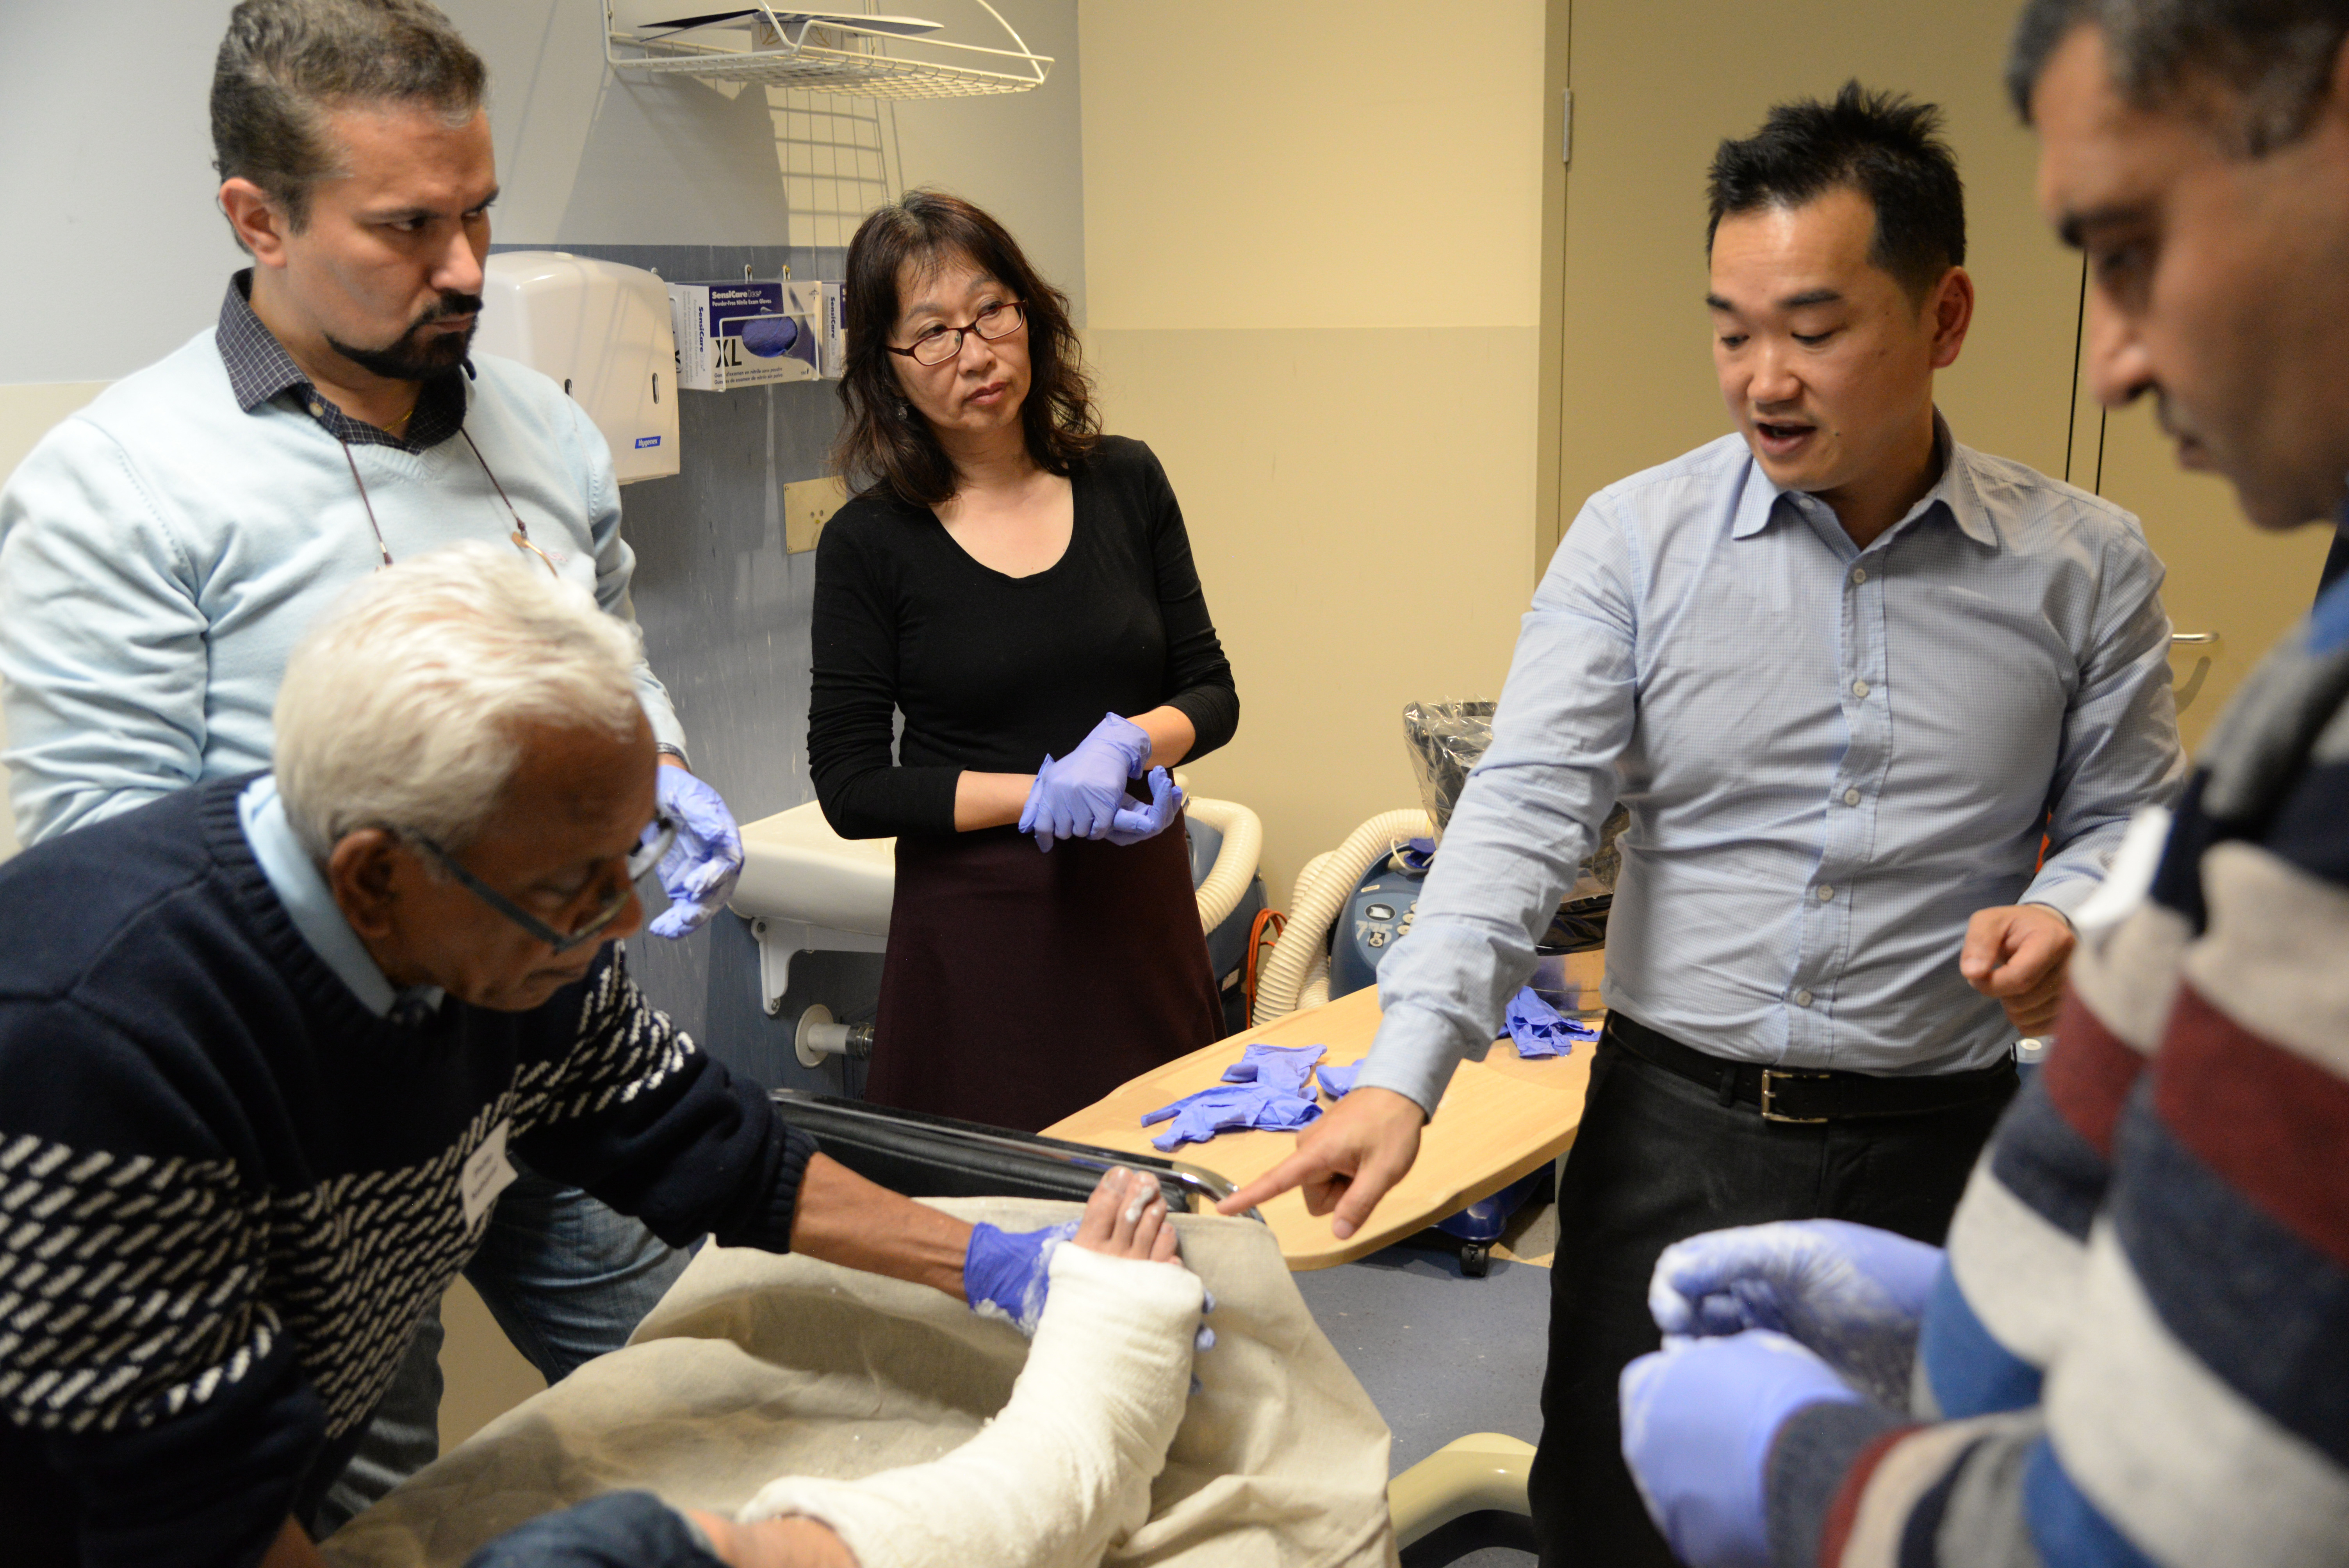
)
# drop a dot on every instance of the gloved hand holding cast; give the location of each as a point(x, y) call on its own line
point(1006, 1273)
point(1853, 1295)
point(701, 870)
point(1078, 795)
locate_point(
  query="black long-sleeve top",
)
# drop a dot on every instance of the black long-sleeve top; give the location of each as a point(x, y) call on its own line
point(228, 1188)
point(993, 671)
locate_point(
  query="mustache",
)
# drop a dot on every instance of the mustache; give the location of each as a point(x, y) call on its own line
point(450, 303)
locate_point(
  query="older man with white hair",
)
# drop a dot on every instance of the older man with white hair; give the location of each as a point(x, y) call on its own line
point(267, 1046)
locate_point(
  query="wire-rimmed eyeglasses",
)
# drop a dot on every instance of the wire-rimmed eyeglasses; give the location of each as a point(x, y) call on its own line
point(641, 862)
point(941, 343)
point(520, 538)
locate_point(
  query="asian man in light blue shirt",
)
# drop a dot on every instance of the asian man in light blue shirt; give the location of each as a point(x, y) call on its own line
point(1848, 675)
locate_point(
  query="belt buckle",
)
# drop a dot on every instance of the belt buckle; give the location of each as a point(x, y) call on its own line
point(1768, 1074)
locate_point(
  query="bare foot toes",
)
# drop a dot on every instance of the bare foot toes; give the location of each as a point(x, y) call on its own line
point(1095, 1230)
point(1143, 1204)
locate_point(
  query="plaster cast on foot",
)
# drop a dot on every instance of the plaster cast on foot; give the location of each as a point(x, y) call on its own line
point(1065, 1470)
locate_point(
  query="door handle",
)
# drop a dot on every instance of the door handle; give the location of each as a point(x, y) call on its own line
point(2193, 639)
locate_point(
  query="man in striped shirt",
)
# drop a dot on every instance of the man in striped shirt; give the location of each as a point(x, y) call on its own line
point(2136, 1347)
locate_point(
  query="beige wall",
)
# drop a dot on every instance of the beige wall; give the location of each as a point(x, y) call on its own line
point(1315, 286)
point(2225, 576)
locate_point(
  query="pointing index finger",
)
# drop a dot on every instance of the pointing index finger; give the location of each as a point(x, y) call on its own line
point(1291, 1172)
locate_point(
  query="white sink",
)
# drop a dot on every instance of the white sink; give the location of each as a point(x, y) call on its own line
point(795, 868)
point(803, 886)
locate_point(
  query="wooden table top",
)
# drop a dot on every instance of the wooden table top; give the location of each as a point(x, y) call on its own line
point(1501, 1118)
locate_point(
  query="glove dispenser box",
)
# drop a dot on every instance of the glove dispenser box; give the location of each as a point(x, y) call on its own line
point(601, 331)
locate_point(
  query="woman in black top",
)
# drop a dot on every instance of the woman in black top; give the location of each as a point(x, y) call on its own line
point(1020, 588)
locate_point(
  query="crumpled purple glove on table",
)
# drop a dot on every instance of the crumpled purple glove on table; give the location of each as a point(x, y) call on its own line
point(1540, 1030)
point(1337, 1082)
point(1286, 1067)
point(1263, 1091)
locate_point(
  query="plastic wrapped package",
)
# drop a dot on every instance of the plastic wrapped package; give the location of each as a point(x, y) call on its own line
point(1446, 740)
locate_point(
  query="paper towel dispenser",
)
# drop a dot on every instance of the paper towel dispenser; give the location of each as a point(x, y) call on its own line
point(600, 329)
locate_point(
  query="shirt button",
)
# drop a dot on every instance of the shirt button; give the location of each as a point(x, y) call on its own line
point(1802, 998)
point(1859, 688)
point(318, 410)
point(1825, 893)
point(1851, 797)
point(1859, 575)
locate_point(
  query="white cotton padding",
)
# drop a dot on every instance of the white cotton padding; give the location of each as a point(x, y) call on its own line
point(1064, 1471)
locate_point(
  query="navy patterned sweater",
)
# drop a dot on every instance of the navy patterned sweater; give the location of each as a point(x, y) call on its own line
point(227, 1188)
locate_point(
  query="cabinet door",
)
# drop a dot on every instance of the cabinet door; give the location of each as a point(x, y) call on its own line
point(1656, 87)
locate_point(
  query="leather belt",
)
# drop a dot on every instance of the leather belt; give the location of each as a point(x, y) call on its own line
point(1810, 1095)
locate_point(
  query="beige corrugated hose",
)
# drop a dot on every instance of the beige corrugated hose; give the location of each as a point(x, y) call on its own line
point(1297, 975)
point(1235, 868)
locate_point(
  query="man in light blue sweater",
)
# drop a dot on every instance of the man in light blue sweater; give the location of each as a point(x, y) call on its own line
point(162, 551)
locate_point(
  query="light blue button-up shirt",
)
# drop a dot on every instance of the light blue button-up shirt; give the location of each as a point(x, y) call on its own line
point(1832, 758)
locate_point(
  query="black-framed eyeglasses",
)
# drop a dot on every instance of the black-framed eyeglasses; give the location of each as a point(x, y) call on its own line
point(642, 860)
point(942, 342)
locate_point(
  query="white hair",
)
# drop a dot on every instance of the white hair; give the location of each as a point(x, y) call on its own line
point(403, 706)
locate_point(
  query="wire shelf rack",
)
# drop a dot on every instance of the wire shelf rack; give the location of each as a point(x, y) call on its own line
point(827, 52)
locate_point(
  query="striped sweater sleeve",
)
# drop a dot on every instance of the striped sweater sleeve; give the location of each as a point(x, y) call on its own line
point(2140, 1351)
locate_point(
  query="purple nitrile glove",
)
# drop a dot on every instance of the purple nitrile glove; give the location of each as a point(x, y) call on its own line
point(1539, 1029)
point(1078, 796)
point(1852, 1295)
point(1337, 1082)
point(1699, 1417)
point(1231, 1108)
point(1132, 823)
point(701, 870)
point(1276, 1067)
point(1006, 1273)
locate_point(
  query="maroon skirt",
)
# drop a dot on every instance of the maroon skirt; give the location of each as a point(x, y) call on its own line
point(1021, 986)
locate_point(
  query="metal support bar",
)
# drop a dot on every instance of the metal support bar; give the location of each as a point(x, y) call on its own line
point(781, 941)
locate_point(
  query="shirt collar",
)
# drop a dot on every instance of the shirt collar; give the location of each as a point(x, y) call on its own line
point(1953, 492)
point(259, 369)
point(310, 904)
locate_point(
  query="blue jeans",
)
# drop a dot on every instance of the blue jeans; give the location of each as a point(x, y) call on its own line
point(566, 1277)
point(617, 1530)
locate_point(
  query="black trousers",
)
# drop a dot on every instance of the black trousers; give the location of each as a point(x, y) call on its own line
point(1660, 1158)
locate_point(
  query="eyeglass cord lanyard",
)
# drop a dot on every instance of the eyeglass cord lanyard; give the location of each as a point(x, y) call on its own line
point(520, 538)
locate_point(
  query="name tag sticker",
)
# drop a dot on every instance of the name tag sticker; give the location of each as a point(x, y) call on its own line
point(487, 1174)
